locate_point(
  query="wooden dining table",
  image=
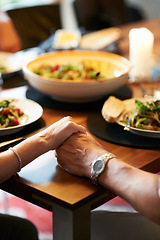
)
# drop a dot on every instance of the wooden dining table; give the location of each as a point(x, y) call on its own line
point(72, 198)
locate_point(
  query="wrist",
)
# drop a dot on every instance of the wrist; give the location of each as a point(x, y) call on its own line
point(112, 169)
point(99, 166)
point(34, 145)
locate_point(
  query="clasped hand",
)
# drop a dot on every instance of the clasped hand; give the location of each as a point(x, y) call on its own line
point(77, 153)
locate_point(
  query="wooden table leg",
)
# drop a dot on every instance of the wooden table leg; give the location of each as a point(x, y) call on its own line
point(71, 224)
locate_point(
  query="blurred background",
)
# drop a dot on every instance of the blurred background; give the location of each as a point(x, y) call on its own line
point(151, 9)
point(37, 20)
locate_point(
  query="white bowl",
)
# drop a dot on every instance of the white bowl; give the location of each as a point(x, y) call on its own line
point(115, 66)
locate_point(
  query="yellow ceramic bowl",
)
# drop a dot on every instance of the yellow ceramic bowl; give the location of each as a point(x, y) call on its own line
point(115, 67)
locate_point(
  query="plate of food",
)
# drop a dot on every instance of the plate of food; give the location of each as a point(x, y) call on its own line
point(77, 75)
point(15, 114)
point(9, 64)
point(138, 115)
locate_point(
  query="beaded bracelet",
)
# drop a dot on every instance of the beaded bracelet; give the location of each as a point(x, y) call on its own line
point(18, 157)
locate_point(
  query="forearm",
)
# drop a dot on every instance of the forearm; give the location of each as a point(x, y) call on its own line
point(28, 150)
point(137, 187)
point(33, 147)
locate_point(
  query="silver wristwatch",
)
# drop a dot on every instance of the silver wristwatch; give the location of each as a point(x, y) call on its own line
point(98, 166)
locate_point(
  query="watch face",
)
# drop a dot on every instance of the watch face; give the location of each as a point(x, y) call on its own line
point(98, 166)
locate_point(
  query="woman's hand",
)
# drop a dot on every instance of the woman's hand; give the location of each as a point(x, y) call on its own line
point(78, 152)
point(36, 145)
point(58, 132)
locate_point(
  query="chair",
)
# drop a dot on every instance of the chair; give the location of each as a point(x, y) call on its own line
point(34, 24)
point(99, 14)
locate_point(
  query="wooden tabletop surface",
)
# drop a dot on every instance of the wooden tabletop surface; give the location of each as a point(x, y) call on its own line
point(44, 179)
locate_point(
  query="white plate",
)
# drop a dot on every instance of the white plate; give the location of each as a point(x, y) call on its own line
point(9, 61)
point(130, 105)
point(31, 109)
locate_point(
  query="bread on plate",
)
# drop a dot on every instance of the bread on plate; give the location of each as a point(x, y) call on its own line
point(100, 39)
point(112, 109)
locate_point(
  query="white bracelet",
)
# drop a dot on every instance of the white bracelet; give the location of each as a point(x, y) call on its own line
point(18, 157)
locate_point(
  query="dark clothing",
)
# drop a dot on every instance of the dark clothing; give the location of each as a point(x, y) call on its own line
point(16, 228)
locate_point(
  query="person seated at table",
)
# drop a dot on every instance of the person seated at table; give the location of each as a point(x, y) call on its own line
point(13, 159)
point(9, 39)
point(139, 188)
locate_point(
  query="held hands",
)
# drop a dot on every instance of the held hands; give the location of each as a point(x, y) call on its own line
point(75, 148)
point(77, 153)
point(58, 132)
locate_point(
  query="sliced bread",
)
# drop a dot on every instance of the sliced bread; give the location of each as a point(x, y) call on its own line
point(112, 109)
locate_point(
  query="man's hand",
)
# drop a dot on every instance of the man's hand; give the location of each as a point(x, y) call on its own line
point(77, 153)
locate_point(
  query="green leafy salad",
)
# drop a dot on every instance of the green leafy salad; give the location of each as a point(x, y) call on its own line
point(77, 72)
point(2, 68)
point(9, 114)
point(146, 116)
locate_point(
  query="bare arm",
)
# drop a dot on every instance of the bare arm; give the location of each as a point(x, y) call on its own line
point(137, 187)
point(37, 145)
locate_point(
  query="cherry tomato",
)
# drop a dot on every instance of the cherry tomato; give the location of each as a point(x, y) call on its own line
point(55, 68)
point(5, 111)
point(18, 110)
point(15, 122)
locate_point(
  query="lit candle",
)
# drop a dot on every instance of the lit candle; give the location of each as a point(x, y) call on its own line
point(140, 53)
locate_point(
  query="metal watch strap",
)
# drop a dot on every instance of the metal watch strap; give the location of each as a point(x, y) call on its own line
point(105, 158)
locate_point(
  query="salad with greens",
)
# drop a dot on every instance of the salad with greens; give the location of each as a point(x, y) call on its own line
point(9, 114)
point(145, 116)
point(2, 68)
point(77, 72)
